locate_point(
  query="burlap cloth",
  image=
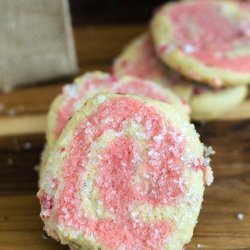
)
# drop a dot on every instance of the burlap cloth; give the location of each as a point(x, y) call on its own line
point(36, 42)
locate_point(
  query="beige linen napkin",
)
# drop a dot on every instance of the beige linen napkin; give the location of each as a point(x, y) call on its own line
point(36, 42)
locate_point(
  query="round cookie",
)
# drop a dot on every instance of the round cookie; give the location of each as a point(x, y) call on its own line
point(127, 173)
point(209, 105)
point(207, 41)
point(139, 59)
point(92, 83)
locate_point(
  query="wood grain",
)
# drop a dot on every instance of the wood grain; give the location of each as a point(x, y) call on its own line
point(22, 139)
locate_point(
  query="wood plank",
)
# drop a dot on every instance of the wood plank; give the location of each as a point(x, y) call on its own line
point(218, 227)
point(112, 39)
point(29, 124)
point(22, 125)
point(35, 100)
point(110, 11)
point(28, 108)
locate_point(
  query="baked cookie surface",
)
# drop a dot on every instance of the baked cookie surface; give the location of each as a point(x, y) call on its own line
point(207, 41)
point(139, 59)
point(86, 86)
point(127, 173)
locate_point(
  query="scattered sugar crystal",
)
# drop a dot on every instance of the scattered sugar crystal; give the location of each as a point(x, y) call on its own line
point(140, 134)
point(148, 125)
point(124, 164)
point(170, 161)
point(70, 90)
point(240, 216)
point(153, 153)
point(138, 118)
point(101, 99)
point(200, 246)
point(77, 105)
point(206, 162)
point(208, 151)
point(134, 214)
point(158, 138)
point(188, 48)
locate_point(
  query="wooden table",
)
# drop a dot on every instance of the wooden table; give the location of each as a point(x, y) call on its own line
point(22, 123)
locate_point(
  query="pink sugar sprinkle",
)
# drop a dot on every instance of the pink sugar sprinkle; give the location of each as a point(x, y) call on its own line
point(124, 63)
point(116, 167)
point(163, 48)
point(46, 202)
point(62, 149)
point(113, 78)
point(54, 183)
point(214, 32)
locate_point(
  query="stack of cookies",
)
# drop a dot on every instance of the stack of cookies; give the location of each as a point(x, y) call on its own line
point(123, 167)
point(198, 49)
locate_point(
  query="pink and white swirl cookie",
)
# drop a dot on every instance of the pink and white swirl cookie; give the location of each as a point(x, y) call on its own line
point(139, 59)
point(92, 83)
point(127, 173)
point(207, 41)
point(74, 95)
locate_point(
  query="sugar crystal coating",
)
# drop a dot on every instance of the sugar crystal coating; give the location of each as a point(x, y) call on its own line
point(123, 164)
point(90, 84)
point(205, 102)
point(212, 36)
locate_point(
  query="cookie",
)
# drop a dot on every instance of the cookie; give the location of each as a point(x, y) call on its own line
point(139, 59)
point(92, 83)
point(207, 41)
point(209, 105)
point(127, 173)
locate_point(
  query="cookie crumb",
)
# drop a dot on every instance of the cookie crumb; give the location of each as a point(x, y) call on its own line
point(10, 161)
point(11, 112)
point(208, 151)
point(27, 145)
point(2, 106)
point(44, 236)
point(36, 168)
point(240, 216)
point(200, 246)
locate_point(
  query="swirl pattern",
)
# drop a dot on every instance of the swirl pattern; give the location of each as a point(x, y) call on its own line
point(92, 83)
point(139, 59)
point(130, 177)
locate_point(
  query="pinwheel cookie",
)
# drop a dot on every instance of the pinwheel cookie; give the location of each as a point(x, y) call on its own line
point(207, 41)
point(139, 59)
point(127, 173)
point(92, 83)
